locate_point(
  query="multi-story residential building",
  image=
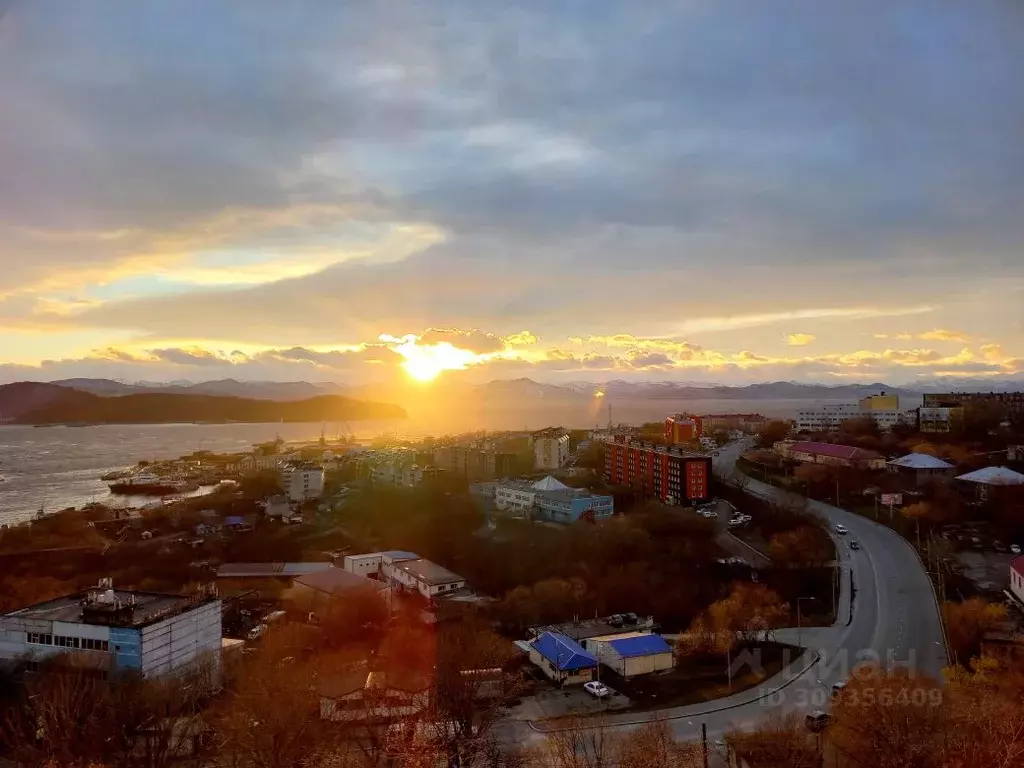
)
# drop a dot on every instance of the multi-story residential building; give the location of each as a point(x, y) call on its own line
point(883, 408)
point(415, 476)
point(671, 474)
point(302, 480)
point(550, 449)
point(1011, 402)
point(681, 428)
point(939, 420)
point(146, 633)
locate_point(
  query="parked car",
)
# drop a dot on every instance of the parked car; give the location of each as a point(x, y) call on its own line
point(1015, 548)
point(597, 690)
point(837, 688)
point(841, 529)
point(854, 545)
point(256, 632)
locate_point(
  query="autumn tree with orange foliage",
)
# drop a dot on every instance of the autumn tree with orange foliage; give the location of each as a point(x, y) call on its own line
point(801, 546)
point(968, 622)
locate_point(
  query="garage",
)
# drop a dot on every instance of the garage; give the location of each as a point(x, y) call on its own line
point(637, 654)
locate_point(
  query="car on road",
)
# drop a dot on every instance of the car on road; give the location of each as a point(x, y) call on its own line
point(708, 514)
point(841, 529)
point(837, 688)
point(1015, 549)
point(854, 545)
point(597, 689)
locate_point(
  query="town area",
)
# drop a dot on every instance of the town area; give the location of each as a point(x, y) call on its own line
point(714, 587)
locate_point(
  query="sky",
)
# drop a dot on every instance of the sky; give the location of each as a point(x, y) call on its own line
point(696, 190)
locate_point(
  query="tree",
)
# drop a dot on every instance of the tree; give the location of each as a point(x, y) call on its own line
point(804, 545)
point(750, 611)
point(888, 719)
point(652, 746)
point(779, 741)
point(967, 623)
point(772, 432)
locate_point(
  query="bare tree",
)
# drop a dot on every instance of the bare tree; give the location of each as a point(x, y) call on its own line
point(781, 741)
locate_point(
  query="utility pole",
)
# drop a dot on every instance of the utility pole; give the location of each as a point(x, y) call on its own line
point(704, 740)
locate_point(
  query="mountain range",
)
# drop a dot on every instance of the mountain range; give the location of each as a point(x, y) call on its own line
point(527, 390)
point(39, 403)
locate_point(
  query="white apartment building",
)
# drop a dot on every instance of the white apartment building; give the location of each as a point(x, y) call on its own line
point(302, 481)
point(429, 579)
point(148, 633)
point(829, 417)
point(551, 451)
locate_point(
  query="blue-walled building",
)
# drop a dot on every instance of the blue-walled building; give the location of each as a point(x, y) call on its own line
point(571, 505)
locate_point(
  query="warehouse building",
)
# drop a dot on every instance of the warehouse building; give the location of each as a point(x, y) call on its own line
point(636, 653)
point(148, 633)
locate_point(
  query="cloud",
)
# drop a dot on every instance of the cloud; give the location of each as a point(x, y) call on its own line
point(352, 174)
point(520, 339)
point(473, 340)
point(799, 339)
point(193, 356)
point(941, 335)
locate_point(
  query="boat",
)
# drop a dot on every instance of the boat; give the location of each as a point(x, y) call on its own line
point(146, 484)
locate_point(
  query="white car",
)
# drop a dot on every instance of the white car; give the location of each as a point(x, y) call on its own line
point(709, 514)
point(1015, 548)
point(597, 690)
point(841, 529)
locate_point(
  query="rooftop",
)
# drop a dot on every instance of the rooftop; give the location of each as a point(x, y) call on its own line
point(564, 652)
point(428, 572)
point(550, 484)
point(400, 554)
point(110, 607)
point(848, 452)
point(920, 461)
point(589, 628)
point(335, 580)
point(994, 476)
point(640, 645)
point(269, 570)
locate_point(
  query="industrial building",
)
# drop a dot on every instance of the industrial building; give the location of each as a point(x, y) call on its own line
point(147, 633)
point(882, 408)
point(671, 474)
point(323, 586)
point(631, 654)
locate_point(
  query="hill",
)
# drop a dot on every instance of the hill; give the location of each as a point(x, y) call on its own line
point(259, 390)
point(34, 403)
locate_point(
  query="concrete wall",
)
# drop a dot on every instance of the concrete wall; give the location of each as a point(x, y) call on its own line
point(363, 565)
point(181, 640)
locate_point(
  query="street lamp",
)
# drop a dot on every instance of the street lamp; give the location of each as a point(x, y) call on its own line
point(798, 632)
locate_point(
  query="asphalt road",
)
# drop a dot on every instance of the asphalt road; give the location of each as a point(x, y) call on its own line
point(887, 613)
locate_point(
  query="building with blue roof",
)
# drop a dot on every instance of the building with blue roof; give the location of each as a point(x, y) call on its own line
point(562, 659)
point(635, 653)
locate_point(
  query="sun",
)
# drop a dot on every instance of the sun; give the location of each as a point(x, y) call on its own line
point(425, 363)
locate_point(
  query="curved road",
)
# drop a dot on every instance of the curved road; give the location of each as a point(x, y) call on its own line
point(894, 620)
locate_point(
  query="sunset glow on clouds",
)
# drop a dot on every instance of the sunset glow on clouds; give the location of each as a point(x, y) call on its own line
point(363, 191)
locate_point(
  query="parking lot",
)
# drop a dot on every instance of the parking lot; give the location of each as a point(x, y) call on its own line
point(549, 701)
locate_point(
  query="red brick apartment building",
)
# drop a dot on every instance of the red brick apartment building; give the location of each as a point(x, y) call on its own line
point(683, 427)
point(671, 474)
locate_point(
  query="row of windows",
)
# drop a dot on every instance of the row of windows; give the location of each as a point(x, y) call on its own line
point(59, 641)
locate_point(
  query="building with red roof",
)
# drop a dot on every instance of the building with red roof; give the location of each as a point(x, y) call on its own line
point(810, 452)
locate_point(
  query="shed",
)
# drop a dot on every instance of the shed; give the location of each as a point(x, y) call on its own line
point(562, 659)
point(637, 654)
